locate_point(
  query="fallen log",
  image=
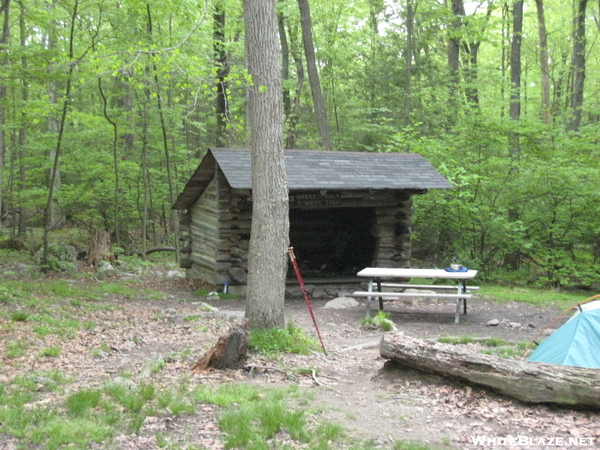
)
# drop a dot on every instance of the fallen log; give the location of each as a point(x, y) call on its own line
point(530, 382)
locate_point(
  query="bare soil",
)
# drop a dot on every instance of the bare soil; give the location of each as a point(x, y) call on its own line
point(373, 399)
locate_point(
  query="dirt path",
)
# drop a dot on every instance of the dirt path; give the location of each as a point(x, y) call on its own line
point(374, 400)
point(380, 401)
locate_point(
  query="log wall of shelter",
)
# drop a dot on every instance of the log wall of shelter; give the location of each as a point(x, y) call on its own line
point(204, 234)
point(392, 232)
point(221, 221)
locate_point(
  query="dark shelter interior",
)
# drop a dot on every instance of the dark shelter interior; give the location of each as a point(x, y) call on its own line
point(332, 242)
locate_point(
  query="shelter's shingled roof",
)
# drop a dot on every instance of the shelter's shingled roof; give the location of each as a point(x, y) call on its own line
point(318, 169)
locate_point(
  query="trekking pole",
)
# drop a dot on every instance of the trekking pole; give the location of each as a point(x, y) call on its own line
point(306, 299)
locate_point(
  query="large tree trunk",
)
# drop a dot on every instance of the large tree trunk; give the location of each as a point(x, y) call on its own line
point(526, 381)
point(267, 257)
point(313, 74)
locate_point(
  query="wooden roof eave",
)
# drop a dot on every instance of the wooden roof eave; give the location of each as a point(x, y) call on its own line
point(197, 183)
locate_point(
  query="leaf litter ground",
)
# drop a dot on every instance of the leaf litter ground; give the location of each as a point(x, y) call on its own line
point(374, 400)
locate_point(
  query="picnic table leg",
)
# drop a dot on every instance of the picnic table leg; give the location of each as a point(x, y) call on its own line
point(369, 298)
point(464, 291)
point(457, 313)
point(379, 290)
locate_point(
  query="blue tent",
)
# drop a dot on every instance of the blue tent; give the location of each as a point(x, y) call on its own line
point(576, 343)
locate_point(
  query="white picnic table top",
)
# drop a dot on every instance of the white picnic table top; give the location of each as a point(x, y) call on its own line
point(383, 272)
point(377, 273)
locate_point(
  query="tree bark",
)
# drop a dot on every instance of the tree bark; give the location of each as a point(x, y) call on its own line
point(526, 381)
point(313, 74)
point(267, 257)
point(100, 247)
point(578, 65)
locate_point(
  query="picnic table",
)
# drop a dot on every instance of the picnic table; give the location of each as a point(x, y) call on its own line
point(398, 276)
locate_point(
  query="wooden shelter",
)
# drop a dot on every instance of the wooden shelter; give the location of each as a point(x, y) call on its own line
point(348, 210)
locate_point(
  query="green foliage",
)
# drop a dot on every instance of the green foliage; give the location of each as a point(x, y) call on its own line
point(275, 340)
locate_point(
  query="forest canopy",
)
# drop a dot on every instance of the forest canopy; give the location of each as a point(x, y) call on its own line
point(106, 108)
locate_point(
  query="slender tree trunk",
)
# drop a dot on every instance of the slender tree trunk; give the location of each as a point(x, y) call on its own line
point(514, 145)
point(313, 74)
point(165, 138)
point(5, 7)
point(267, 256)
point(285, 63)
point(145, 182)
point(578, 65)
point(54, 183)
point(222, 65)
point(514, 110)
point(54, 214)
point(116, 205)
point(545, 73)
point(458, 10)
point(471, 90)
point(292, 119)
point(22, 125)
point(408, 62)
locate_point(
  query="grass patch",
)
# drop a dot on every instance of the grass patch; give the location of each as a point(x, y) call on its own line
point(19, 316)
point(489, 346)
point(50, 325)
point(536, 297)
point(16, 349)
point(250, 418)
point(380, 320)
point(276, 340)
point(51, 352)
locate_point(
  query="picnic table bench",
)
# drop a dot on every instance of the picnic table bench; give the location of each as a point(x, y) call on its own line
point(377, 274)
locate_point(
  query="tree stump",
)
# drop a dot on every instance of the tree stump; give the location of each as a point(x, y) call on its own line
point(527, 381)
point(100, 248)
point(230, 351)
